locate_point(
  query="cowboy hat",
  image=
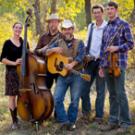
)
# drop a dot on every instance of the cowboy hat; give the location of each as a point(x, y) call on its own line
point(67, 24)
point(53, 16)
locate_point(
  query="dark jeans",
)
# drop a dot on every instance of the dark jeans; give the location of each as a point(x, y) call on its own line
point(119, 110)
point(50, 79)
point(92, 69)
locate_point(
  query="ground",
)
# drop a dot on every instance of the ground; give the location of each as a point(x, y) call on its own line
point(50, 127)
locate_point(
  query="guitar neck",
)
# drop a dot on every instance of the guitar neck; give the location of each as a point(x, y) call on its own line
point(84, 76)
point(75, 72)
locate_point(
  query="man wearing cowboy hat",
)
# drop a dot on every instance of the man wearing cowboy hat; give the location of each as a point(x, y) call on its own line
point(73, 48)
point(44, 41)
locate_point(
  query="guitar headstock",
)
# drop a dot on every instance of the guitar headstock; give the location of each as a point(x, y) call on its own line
point(86, 77)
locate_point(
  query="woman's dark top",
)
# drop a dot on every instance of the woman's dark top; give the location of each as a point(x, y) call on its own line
point(11, 52)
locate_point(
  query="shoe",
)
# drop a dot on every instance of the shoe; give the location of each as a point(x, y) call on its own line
point(109, 127)
point(14, 126)
point(86, 118)
point(98, 120)
point(122, 130)
point(71, 127)
point(64, 126)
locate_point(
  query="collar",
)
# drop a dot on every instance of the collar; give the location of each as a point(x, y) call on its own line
point(104, 23)
point(115, 21)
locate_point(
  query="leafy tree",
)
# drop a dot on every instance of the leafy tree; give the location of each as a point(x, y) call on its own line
point(53, 6)
point(88, 11)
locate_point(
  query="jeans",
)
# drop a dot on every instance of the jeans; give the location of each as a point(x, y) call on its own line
point(92, 69)
point(62, 85)
point(119, 109)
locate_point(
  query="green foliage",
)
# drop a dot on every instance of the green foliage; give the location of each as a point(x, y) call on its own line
point(6, 26)
point(125, 8)
point(14, 10)
point(7, 21)
point(70, 9)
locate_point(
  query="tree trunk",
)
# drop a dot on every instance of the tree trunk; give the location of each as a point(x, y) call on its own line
point(36, 6)
point(54, 6)
point(132, 16)
point(88, 11)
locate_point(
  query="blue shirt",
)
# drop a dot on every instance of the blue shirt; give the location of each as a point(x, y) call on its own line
point(124, 41)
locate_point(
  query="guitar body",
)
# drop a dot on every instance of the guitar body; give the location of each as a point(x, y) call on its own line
point(56, 62)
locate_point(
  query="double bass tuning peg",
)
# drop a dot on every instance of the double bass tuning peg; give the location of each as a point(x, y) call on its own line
point(28, 19)
point(29, 12)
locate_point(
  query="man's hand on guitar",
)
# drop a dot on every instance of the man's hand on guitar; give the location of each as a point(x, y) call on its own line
point(58, 50)
point(69, 66)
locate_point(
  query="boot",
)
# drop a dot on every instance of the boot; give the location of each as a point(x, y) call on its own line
point(14, 118)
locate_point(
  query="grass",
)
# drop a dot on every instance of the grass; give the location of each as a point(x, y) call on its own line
point(50, 127)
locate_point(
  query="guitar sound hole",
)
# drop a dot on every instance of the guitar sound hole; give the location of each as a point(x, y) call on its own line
point(60, 66)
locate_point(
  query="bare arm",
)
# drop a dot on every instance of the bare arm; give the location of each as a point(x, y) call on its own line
point(12, 63)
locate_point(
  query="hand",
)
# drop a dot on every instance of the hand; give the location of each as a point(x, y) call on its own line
point(101, 72)
point(18, 61)
point(58, 50)
point(54, 50)
point(69, 66)
point(112, 48)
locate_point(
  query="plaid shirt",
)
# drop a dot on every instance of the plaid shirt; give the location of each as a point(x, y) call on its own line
point(124, 40)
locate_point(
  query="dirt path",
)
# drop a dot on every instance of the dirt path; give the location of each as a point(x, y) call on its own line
point(52, 128)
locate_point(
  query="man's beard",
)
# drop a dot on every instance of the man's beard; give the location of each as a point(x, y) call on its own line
point(68, 37)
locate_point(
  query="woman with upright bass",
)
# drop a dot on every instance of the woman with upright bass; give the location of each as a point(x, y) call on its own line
point(25, 79)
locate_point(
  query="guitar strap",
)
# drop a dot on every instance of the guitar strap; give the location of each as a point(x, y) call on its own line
point(89, 39)
point(75, 45)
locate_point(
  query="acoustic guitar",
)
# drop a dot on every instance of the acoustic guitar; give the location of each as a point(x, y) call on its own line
point(56, 64)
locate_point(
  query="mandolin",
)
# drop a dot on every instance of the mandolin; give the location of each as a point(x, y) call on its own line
point(56, 62)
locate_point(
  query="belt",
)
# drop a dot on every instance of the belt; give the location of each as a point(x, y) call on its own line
point(91, 58)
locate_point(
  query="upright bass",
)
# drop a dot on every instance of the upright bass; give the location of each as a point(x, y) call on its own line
point(35, 101)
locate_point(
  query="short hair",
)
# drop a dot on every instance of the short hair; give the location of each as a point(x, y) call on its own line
point(112, 4)
point(98, 6)
point(17, 23)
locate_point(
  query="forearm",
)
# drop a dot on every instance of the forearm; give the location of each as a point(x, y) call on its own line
point(126, 46)
point(8, 62)
point(128, 38)
point(49, 51)
point(41, 51)
point(74, 63)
